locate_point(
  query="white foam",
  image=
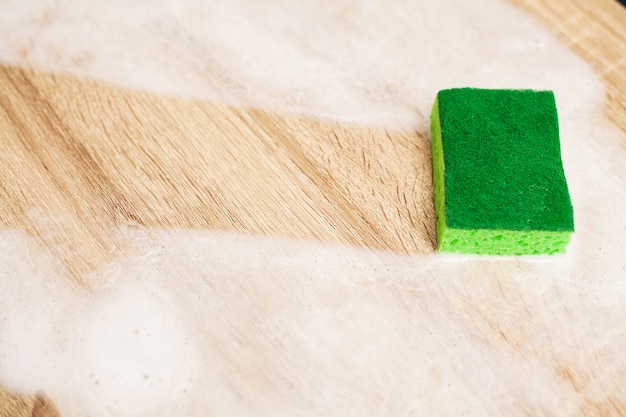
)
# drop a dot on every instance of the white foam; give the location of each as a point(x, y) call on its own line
point(368, 62)
point(202, 322)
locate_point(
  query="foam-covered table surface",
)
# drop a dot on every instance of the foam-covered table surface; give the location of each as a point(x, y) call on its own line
point(227, 209)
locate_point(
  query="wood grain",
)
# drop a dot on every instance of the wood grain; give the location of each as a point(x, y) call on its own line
point(84, 157)
point(79, 158)
point(14, 405)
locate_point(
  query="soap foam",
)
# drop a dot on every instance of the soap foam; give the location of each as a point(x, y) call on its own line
point(202, 322)
point(377, 63)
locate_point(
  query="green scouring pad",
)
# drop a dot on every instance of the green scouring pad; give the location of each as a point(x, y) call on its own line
point(499, 183)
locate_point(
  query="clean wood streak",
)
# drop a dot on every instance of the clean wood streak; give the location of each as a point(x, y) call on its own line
point(86, 156)
point(54, 187)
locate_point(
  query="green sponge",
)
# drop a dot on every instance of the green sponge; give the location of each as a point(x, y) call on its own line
point(499, 183)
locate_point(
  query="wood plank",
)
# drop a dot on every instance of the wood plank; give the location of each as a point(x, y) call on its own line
point(141, 160)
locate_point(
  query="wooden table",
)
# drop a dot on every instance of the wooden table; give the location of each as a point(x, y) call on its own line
point(113, 157)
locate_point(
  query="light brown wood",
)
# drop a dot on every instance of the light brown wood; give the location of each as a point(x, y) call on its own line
point(81, 157)
point(86, 156)
point(13, 405)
